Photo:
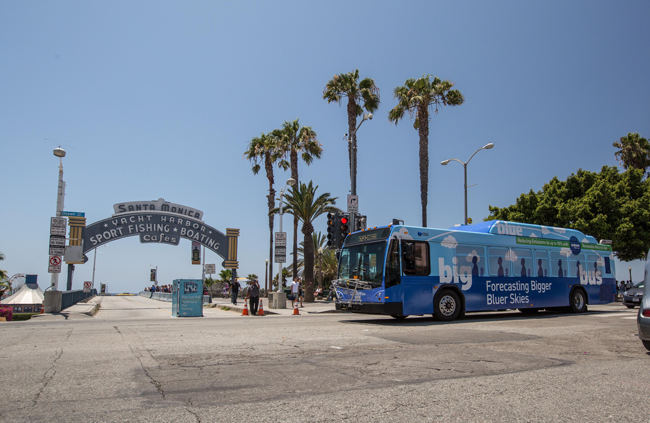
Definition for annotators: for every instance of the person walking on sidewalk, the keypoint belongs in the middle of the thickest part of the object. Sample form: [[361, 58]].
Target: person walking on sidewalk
[[234, 292], [253, 295], [301, 292], [295, 291]]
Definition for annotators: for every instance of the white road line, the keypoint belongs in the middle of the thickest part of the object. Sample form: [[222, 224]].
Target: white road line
[[619, 314]]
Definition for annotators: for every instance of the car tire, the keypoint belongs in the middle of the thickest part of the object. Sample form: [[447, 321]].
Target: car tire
[[646, 344], [398, 316], [578, 301], [447, 306], [629, 306]]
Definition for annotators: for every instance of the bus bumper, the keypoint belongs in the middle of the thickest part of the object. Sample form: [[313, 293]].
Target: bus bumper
[[371, 308]]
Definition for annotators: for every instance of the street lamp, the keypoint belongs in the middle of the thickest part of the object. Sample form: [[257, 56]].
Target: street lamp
[[352, 140], [94, 262], [487, 146], [60, 153], [290, 182], [266, 278]]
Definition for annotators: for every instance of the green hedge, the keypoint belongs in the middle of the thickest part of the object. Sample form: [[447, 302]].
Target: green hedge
[[22, 316]]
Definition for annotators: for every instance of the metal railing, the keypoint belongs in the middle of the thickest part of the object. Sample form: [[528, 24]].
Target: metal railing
[[70, 298]]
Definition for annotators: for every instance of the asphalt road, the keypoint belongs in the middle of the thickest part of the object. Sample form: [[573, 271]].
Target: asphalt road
[[133, 362]]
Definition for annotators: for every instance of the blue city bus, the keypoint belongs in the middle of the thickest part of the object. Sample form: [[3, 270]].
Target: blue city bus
[[403, 271]]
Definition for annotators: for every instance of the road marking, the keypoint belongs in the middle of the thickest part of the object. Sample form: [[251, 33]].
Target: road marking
[[619, 314], [144, 302]]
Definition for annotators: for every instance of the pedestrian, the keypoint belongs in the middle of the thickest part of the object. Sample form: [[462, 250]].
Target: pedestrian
[[295, 291], [253, 295], [301, 292], [234, 291]]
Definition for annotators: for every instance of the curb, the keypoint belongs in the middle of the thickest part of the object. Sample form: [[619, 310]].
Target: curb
[[240, 309]]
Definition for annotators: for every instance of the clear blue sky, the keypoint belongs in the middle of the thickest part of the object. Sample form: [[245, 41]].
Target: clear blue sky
[[159, 99]]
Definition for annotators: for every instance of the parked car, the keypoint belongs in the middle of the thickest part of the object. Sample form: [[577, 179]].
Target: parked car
[[633, 296], [643, 318]]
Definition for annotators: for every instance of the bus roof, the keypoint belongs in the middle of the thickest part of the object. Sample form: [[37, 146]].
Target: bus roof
[[530, 230]]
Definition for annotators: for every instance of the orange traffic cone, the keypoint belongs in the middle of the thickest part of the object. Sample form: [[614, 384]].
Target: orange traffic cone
[[260, 312], [296, 312], [43, 308], [245, 312]]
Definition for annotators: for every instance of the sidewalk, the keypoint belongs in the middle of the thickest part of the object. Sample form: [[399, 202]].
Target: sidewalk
[[77, 311], [317, 307]]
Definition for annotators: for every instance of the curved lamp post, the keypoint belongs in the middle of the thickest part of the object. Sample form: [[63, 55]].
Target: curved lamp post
[[487, 146], [290, 182]]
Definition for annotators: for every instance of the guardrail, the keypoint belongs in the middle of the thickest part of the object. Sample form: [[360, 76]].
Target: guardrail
[[70, 298], [166, 296]]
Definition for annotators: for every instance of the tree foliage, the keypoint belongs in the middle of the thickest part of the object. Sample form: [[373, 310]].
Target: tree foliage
[[634, 152], [606, 205]]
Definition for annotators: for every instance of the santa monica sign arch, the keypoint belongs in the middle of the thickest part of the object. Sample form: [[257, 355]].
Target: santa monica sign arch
[[165, 223]]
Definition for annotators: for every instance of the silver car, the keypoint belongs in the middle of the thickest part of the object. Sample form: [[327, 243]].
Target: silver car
[[643, 318]]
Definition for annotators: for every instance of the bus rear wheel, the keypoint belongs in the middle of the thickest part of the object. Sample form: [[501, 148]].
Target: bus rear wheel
[[447, 306], [578, 301]]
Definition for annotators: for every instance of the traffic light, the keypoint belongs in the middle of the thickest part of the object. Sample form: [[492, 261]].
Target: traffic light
[[332, 230], [344, 228], [361, 223]]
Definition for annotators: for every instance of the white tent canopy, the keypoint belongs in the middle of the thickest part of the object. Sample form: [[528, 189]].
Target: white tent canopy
[[25, 295]]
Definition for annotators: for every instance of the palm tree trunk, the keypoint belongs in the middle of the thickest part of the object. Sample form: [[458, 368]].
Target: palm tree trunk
[[294, 175], [352, 124], [268, 165], [423, 130], [308, 242]]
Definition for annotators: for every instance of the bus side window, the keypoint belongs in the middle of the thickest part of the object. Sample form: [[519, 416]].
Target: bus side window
[[608, 267], [541, 264], [522, 263], [559, 265], [415, 258], [499, 266], [392, 265]]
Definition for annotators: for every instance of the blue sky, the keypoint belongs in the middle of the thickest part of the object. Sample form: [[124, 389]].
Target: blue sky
[[159, 99]]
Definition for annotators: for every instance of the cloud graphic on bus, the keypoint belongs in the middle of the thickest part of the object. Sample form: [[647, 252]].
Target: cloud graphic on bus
[[449, 242], [471, 256], [545, 230], [403, 234], [532, 235], [511, 255], [585, 240], [566, 252], [560, 230]]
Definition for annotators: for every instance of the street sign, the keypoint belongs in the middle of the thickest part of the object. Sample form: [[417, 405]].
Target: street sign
[[280, 239], [210, 269], [57, 225], [280, 254], [57, 251], [57, 241], [87, 286], [353, 203], [54, 264], [75, 214]]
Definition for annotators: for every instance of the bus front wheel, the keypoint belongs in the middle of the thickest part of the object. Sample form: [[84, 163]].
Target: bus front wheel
[[447, 306], [578, 301]]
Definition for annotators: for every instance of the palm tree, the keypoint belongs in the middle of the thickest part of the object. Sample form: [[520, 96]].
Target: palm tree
[[348, 85], [301, 202], [5, 284], [634, 151], [264, 149], [251, 277], [415, 97], [294, 140], [225, 276], [319, 242]]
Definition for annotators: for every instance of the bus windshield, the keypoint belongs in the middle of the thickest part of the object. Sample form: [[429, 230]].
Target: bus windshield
[[364, 262]]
